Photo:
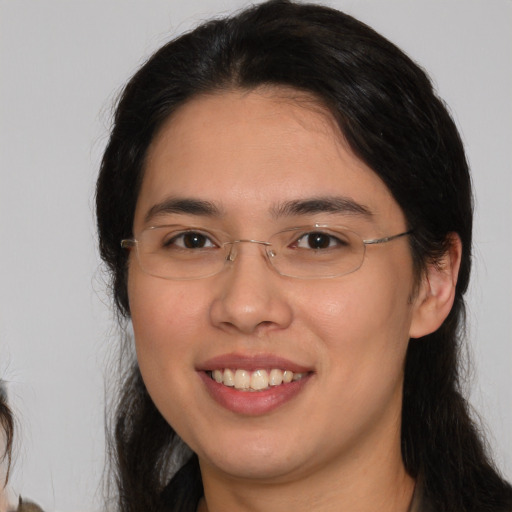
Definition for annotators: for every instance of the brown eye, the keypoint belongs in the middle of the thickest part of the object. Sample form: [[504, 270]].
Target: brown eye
[[194, 240], [318, 240], [190, 240]]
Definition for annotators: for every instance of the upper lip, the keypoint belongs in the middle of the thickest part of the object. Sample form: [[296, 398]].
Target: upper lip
[[251, 363]]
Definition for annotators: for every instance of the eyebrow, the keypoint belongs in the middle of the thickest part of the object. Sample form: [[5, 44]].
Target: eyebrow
[[184, 206], [335, 204], [199, 207]]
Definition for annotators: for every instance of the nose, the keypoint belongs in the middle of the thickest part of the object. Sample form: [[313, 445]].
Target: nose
[[249, 297]]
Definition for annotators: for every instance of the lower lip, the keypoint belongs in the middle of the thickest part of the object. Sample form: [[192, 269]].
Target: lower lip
[[253, 403]]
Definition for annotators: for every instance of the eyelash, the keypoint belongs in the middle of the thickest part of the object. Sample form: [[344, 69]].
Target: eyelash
[[331, 238], [167, 243], [207, 241]]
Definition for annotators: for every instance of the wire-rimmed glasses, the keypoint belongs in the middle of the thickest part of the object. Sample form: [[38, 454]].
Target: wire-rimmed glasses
[[306, 252]]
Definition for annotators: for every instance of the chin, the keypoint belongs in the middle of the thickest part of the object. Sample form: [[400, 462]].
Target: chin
[[256, 469], [254, 459]]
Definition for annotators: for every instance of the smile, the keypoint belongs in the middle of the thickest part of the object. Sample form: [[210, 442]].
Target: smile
[[258, 380]]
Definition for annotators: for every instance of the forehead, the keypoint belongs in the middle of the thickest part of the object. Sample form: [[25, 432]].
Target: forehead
[[266, 123], [250, 151]]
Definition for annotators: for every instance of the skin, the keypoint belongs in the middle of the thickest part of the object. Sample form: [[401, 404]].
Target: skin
[[335, 445]]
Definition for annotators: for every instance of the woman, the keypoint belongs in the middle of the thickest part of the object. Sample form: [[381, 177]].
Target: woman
[[6, 435], [285, 207]]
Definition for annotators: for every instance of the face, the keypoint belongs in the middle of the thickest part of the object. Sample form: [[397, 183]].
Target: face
[[248, 155]]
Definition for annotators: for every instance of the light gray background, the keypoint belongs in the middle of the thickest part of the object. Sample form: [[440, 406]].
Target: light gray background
[[61, 65]]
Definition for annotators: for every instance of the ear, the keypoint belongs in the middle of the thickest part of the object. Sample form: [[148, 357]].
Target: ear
[[436, 294]]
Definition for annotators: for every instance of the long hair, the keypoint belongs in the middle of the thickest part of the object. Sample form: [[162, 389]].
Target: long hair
[[6, 433], [386, 109]]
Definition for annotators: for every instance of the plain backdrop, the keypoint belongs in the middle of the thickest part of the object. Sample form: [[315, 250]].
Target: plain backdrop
[[62, 63]]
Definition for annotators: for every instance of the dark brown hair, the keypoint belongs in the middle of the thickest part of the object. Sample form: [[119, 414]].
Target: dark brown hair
[[6, 431]]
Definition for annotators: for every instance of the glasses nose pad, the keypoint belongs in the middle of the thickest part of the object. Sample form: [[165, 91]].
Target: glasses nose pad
[[231, 254], [271, 258], [231, 251]]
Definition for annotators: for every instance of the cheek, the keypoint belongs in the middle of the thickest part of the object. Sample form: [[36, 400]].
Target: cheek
[[165, 317], [355, 312], [363, 319], [363, 327]]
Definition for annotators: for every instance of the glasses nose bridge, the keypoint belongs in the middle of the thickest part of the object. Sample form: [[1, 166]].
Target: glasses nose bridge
[[232, 253]]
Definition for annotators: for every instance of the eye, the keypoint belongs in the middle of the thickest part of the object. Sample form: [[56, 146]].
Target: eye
[[189, 240], [318, 240]]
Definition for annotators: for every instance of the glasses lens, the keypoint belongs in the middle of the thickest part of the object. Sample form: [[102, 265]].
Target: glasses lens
[[316, 252], [177, 252]]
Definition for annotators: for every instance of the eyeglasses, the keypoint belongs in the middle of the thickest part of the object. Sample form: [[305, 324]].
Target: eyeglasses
[[306, 252]]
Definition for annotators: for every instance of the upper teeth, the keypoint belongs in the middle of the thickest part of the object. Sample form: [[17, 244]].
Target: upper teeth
[[254, 381]]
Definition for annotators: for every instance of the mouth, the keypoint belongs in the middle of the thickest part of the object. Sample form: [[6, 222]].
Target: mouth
[[254, 385], [253, 381]]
